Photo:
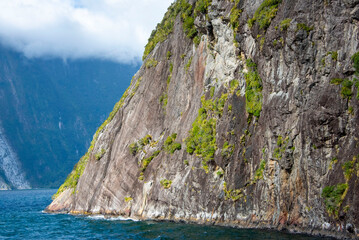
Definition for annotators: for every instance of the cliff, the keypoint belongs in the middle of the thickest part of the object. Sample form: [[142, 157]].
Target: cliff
[[244, 113]]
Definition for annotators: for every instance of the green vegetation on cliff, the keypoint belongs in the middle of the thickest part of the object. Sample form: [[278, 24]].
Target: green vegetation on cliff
[[265, 13], [259, 171], [355, 59], [202, 136], [235, 14], [147, 161], [346, 86], [284, 25], [166, 183], [233, 194], [170, 146], [303, 26], [164, 97], [253, 89], [188, 15], [333, 197], [73, 178], [227, 150], [237, 194], [151, 63], [162, 30], [347, 90], [281, 147], [137, 146]]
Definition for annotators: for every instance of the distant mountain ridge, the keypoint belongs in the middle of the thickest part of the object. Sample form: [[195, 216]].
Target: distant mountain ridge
[[50, 108]]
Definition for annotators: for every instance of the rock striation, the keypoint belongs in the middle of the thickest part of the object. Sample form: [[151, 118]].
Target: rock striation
[[244, 113]]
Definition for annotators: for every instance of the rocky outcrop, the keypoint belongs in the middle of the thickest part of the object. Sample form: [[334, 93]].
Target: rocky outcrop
[[246, 114]]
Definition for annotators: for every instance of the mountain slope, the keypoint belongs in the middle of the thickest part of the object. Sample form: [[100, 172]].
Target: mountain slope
[[49, 109], [244, 113]]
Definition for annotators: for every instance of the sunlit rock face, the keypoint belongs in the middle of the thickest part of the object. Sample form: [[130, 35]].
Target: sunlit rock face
[[250, 122]]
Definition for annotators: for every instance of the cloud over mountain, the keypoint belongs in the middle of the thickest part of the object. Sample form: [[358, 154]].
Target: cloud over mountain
[[72, 29]]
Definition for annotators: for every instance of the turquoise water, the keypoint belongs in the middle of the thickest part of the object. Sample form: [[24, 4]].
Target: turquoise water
[[21, 217]]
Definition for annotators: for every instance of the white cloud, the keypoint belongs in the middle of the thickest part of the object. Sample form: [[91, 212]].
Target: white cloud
[[109, 29]]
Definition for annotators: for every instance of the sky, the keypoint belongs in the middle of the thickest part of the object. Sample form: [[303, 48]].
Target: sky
[[114, 30]]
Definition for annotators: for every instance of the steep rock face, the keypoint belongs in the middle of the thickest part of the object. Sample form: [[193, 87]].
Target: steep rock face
[[256, 126]]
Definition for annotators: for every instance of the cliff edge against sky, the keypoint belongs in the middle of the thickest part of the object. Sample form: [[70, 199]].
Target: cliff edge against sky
[[244, 113]]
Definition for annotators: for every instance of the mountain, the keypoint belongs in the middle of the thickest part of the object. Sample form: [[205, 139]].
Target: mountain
[[49, 111], [244, 113]]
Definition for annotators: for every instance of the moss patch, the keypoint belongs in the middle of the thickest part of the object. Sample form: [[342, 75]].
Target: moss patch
[[146, 161], [166, 183], [169, 54], [285, 24], [164, 28], [259, 172], [233, 194], [188, 14], [211, 91], [253, 89], [265, 13], [227, 150], [350, 168], [346, 87], [128, 199], [151, 63], [303, 26], [73, 178], [235, 14], [202, 136], [281, 147], [334, 55], [164, 97], [188, 64], [355, 59], [333, 197], [137, 146], [170, 146]]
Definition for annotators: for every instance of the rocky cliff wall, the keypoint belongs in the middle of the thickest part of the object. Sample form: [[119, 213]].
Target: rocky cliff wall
[[244, 114]]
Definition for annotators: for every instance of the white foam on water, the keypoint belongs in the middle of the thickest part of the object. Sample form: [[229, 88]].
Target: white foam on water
[[119, 218]]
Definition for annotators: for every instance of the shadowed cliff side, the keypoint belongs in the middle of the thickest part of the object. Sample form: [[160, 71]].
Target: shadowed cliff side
[[244, 113]]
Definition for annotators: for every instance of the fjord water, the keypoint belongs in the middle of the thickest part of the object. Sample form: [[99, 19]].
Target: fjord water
[[22, 217]]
